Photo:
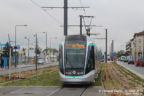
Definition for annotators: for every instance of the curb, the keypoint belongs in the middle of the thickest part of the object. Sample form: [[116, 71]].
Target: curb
[[141, 76]]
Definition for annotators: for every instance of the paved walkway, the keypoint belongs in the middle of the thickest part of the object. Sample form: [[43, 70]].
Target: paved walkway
[[26, 67], [51, 91]]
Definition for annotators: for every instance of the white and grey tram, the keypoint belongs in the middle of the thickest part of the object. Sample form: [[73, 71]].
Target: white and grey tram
[[77, 60]]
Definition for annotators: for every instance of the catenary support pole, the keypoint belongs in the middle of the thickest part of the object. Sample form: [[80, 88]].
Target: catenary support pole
[[65, 17], [28, 50], [81, 24], [36, 52], [15, 46], [10, 64], [106, 48]]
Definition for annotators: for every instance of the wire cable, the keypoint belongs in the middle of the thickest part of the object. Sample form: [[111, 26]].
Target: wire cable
[[90, 23], [36, 4], [84, 14], [82, 8], [84, 18]]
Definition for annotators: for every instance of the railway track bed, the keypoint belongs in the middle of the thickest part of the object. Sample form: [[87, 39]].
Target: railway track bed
[[51, 91]]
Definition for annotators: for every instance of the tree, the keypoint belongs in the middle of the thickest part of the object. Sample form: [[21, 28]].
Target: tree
[[120, 53], [6, 50], [52, 50], [38, 51]]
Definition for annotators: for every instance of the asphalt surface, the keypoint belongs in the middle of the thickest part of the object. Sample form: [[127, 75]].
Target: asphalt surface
[[26, 68], [51, 91], [139, 70]]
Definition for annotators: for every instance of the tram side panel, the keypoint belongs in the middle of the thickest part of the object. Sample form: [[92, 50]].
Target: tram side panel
[[90, 62], [61, 67]]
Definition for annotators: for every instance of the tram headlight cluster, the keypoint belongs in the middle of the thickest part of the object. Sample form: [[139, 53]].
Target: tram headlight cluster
[[74, 73]]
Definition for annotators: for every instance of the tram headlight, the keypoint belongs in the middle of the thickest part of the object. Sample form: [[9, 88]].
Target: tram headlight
[[80, 73], [74, 72], [69, 73]]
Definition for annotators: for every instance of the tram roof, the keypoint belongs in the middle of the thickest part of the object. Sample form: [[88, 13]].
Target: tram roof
[[78, 37]]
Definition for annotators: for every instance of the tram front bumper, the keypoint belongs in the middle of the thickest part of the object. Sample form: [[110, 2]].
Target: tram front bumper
[[78, 79]]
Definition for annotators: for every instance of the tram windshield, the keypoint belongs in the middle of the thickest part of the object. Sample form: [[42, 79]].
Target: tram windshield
[[75, 54]]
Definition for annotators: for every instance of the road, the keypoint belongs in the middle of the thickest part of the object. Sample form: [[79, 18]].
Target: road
[[137, 70], [26, 68], [51, 91]]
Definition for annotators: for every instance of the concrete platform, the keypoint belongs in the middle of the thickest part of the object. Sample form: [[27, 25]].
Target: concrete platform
[[94, 91], [50, 91]]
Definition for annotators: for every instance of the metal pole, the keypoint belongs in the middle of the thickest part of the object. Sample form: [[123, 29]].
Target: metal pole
[[46, 49], [65, 17], [112, 45], [36, 51], [15, 42], [52, 53], [15, 46], [106, 48], [28, 50], [46, 43], [81, 24], [113, 49], [10, 64], [50, 49]]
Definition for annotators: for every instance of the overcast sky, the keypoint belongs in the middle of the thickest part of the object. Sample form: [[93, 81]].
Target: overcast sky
[[123, 18]]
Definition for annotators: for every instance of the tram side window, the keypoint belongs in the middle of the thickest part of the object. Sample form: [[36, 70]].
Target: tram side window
[[61, 59], [91, 59]]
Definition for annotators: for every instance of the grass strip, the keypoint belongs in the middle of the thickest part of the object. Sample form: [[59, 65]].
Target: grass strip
[[98, 80], [46, 79]]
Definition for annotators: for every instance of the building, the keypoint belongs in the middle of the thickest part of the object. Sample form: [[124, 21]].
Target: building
[[129, 47], [138, 45], [133, 49]]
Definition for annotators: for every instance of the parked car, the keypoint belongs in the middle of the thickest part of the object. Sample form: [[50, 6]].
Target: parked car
[[41, 61], [123, 58], [130, 60], [108, 58], [101, 60], [126, 60], [119, 59], [140, 62]]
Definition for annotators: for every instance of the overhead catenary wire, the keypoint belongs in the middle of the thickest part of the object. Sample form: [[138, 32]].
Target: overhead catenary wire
[[44, 10], [84, 14], [36, 4], [83, 8], [84, 21], [90, 23]]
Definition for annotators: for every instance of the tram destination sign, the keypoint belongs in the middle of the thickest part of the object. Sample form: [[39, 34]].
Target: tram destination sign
[[75, 45]]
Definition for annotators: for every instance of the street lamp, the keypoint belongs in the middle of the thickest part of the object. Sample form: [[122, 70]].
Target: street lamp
[[106, 41], [28, 47], [46, 41], [15, 40], [36, 47], [50, 47]]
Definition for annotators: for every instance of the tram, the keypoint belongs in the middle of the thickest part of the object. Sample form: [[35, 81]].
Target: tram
[[77, 60]]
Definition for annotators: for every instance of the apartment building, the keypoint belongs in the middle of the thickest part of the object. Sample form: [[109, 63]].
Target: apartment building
[[128, 47], [137, 45]]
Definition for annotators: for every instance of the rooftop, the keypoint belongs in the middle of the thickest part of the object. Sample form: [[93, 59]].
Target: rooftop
[[140, 33]]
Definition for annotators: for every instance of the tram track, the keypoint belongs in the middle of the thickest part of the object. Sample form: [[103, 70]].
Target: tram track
[[79, 90], [84, 91], [71, 90]]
